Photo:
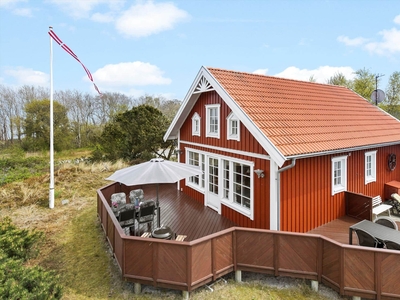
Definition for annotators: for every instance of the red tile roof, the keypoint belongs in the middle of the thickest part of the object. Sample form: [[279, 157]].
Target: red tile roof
[[301, 117]]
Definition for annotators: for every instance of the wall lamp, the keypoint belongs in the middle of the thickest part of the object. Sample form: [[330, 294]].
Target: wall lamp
[[260, 173], [178, 151]]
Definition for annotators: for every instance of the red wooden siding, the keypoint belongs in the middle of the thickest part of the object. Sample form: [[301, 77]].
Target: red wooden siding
[[261, 193], [247, 141], [306, 196]]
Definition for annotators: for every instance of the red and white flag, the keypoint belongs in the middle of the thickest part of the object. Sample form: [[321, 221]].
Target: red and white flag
[[70, 52]]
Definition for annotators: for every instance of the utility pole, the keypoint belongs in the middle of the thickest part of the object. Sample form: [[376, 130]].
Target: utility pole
[[376, 87]]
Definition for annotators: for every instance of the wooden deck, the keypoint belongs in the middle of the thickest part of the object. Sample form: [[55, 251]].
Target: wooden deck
[[338, 229], [183, 214]]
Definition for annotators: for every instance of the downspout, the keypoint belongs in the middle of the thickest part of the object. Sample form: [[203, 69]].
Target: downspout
[[279, 188]]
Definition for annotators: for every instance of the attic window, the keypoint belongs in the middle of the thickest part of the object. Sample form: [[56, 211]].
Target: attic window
[[233, 126], [212, 122], [196, 124]]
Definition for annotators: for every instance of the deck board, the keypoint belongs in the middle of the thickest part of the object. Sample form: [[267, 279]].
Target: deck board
[[338, 229], [183, 214], [186, 216]]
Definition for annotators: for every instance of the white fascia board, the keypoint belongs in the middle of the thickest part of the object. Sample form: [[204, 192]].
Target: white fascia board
[[190, 101], [184, 110], [274, 153]]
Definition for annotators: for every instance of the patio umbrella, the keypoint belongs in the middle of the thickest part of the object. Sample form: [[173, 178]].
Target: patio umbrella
[[155, 171]]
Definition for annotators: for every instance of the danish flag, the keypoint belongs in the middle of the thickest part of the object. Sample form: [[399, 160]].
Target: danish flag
[[70, 52]]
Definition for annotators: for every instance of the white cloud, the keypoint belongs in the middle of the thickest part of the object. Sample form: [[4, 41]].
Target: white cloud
[[25, 76], [103, 18], [9, 3], [24, 12], [321, 75], [83, 8], [129, 74], [144, 19], [390, 43], [352, 42], [261, 71]]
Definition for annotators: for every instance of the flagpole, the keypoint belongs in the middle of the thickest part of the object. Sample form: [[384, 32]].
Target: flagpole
[[51, 190]]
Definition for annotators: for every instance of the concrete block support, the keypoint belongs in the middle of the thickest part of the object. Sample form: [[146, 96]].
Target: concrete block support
[[185, 295], [137, 288], [314, 285], [238, 276]]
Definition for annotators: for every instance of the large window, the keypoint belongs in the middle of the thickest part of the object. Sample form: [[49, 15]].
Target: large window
[[196, 159], [212, 120], [241, 185], [237, 186], [233, 127], [370, 167], [235, 180], [339, 174], [196, 124]]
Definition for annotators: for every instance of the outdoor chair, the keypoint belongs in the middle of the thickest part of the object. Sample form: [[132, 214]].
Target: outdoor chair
[[146, 213], [392, 245], [385, 221], [365, 239], [117, 201], [126, 219], [136, 196]]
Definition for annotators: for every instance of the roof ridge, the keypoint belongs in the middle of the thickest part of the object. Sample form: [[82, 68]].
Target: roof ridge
[[278, 78]]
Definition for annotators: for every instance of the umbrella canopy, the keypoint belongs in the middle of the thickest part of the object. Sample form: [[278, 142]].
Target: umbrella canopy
[[155, 171]]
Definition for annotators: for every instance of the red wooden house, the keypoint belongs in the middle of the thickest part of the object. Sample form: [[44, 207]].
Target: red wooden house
[[278, 153]]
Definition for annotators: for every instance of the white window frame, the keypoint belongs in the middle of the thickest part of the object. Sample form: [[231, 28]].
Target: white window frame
[[196, 124], [342, 185], [370, 170], [215, 132], [199, 186], [229, 125], [227, 201]]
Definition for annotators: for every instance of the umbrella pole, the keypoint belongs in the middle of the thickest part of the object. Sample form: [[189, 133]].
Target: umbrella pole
[[158, 210]]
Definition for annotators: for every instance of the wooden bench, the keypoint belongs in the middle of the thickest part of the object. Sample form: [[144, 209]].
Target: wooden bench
[[379, 207]]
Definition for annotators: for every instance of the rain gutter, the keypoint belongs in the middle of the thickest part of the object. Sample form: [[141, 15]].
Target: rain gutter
[[293, 163]]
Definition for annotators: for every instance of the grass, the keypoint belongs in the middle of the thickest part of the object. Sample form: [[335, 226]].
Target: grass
[[75, 246]]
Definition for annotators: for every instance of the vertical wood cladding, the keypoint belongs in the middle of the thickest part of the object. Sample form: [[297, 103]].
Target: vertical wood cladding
[[305, 193], [247, 141], [306, 196]]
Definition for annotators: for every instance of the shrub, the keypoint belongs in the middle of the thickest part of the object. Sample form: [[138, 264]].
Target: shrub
[[18, 243], [16, 280]]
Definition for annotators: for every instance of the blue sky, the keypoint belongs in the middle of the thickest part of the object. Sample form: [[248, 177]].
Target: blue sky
[[157, 47]]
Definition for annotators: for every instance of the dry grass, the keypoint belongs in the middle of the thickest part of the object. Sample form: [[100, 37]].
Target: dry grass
[[74, 244]]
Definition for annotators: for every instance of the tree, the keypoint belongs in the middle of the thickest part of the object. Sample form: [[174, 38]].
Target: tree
[[136, 134], [339, 79], [393, 95], [37, 126], [364, 83]]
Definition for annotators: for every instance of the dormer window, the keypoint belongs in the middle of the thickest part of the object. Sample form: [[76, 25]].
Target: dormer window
[[233, 126], [196, 124], [212, 120]]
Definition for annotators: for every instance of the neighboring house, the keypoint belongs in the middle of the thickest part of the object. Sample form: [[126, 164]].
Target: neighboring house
[[279, 153]]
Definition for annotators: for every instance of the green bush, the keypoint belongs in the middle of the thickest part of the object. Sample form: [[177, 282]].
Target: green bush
[[18, 168], [18, 243], [16, 280], [20, 282]]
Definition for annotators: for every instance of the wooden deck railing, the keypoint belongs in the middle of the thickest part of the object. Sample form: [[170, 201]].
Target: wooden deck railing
[[349, 270]]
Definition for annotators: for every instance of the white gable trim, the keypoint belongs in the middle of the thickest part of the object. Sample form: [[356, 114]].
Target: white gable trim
[[191, 99]]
